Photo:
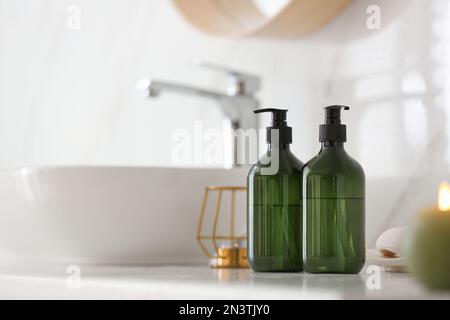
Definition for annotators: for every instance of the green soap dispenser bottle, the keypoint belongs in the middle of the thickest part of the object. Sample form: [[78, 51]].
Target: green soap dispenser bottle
[[274, 213], [333, 204]]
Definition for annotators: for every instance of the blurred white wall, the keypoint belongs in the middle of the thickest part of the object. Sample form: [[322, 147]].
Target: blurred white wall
[[68, 96]]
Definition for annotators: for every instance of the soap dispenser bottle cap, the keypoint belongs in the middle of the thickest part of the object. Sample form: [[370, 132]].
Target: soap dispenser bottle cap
[[278, 123], [333, 130]]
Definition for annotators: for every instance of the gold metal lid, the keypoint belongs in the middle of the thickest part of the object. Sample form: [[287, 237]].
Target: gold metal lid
[[231, 257]]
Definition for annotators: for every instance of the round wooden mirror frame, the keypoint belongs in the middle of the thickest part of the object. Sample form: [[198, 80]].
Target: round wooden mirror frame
[[239, 18]]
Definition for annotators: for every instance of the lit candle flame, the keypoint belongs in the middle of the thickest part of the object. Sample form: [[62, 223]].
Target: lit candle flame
[[444, 196]]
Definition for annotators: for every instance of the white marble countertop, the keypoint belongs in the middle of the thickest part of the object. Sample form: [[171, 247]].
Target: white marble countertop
[[31, 281]]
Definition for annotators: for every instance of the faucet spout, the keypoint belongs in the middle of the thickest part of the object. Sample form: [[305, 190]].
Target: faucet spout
[[232, 106], [153, 88]]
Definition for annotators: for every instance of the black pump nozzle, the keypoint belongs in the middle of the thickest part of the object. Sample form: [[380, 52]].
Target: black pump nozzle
[[278, 115], [278, 123], [333, 114], [333, 130]]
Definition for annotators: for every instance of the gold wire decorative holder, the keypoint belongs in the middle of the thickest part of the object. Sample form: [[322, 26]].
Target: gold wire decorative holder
[[225, 257]]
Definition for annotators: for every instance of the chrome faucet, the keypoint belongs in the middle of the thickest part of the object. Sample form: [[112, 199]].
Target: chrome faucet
[[237, 103]]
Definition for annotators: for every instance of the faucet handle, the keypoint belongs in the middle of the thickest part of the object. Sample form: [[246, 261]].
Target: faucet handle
[[239, 83]]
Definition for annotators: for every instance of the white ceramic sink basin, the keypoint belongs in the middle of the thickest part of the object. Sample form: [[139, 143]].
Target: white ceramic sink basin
[[124, 215]]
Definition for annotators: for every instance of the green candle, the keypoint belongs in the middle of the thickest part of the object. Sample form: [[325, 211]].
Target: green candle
[[428, 246]]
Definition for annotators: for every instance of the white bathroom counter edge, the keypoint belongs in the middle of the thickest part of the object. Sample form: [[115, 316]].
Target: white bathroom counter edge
[[200, 282]]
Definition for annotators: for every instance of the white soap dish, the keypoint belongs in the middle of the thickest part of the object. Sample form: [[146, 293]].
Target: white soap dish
[[388, 252]]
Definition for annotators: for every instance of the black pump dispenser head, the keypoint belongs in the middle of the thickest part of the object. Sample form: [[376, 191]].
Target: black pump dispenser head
[[278, 123], [333, 130]]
